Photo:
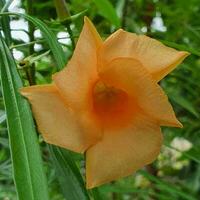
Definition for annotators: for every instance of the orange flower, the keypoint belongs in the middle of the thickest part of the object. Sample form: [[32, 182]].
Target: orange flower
[[107, 102]]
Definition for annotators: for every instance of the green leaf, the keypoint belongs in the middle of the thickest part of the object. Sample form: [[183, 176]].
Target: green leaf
[[50, 37], [107, 10], [5, 21], [181, 47], [192, 154], [96, 194], [167, 187], [61, 9], [6, 4], [76, 16], [2, 118], [64, 162], [183, 102], [73, 188], [29, 176]]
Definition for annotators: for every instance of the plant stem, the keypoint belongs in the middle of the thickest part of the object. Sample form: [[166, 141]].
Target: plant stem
[[31, 47], [71, 35], [64, 14]]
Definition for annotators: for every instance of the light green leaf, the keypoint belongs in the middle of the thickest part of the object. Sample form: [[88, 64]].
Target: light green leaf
[[76, 16], [29, 176], [107, 10]]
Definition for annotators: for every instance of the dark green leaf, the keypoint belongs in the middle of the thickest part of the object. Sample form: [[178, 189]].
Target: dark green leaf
[[5, 21], [181, 47], [183, 102], [70, 178], [29, 176], [164, 186]]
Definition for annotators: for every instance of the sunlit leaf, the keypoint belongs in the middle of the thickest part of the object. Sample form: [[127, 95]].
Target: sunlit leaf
[[107, 10]]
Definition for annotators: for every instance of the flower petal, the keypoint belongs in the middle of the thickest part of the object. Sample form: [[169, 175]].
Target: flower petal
[[57, 122], [122, 152], [157, 58], [76, 80], [129, 75]]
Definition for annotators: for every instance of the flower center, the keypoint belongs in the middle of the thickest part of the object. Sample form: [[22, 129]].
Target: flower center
[[111, 105]]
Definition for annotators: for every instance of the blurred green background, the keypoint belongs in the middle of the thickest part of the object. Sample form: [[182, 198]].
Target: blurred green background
[[175, 175]]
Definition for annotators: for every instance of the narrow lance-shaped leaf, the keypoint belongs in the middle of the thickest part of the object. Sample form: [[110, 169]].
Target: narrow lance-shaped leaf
[[71, 176], [68, 172], [5, 22], [181, 47], [26, 158], [50, 37], [2, 118], [164, 186]]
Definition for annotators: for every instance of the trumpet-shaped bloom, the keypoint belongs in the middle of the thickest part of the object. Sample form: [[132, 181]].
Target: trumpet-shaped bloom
[[107, 102]]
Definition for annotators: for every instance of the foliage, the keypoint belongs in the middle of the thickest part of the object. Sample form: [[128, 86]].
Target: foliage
[[174, 175]]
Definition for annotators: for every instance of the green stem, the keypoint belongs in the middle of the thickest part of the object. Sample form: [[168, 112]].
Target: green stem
[[31, 47], [61, 9], [64, 14], [71, 35]]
